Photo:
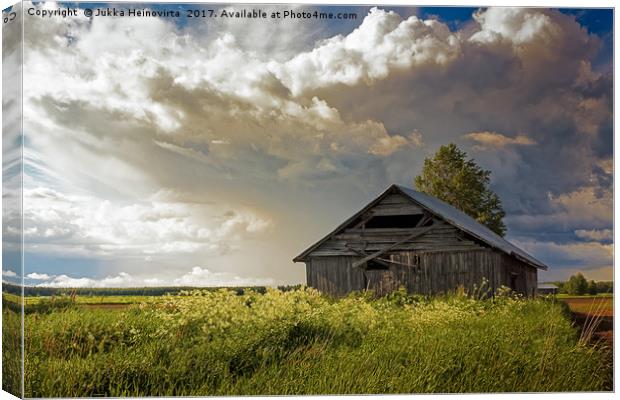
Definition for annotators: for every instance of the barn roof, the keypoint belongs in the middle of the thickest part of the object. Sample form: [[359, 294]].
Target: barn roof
[[547, 286], [448, 213]]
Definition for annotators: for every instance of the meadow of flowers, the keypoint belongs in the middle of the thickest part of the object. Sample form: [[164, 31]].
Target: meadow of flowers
[[300, 342]]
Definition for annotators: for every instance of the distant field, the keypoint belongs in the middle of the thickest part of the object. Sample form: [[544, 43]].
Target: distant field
[[87, 300], [591, 305], [585, 296], [595, 312]]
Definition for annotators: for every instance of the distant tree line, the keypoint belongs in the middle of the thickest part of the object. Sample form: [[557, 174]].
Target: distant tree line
[[579, 285], [34, 291]]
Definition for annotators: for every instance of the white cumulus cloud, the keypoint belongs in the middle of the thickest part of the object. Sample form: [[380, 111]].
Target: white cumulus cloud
[[88, 225], [384, 42], [494, 140], [9, 273], [38, 277]]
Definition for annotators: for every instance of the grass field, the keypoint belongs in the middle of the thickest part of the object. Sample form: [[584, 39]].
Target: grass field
[[299, 342]]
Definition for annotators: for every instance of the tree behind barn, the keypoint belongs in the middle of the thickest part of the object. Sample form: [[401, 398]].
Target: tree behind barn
[[459, 181]]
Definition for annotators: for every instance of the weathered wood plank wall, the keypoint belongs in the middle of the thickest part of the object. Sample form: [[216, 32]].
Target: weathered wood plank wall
[[442, 272], [334, 275], [425, 273], [526, 275]]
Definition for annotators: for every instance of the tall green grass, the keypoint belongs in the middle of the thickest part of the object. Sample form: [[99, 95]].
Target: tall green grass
[[299, 342], [11, 350]]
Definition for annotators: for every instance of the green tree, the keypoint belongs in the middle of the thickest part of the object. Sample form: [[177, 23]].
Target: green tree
[[459, 181], [561, 286], [604, 287], [592, 289], [577, 285]]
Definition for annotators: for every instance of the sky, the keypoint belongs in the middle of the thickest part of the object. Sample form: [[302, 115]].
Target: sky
[[163, 151]]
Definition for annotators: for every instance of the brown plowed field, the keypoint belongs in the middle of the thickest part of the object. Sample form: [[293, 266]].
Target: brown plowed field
[[599, 309]]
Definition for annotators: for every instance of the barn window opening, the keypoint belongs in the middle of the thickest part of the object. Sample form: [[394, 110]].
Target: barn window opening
[[394, 221], [513, 281], [374, 266]]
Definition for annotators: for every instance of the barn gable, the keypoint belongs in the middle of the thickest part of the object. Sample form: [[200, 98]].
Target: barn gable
[[402, 219], [471, 226]]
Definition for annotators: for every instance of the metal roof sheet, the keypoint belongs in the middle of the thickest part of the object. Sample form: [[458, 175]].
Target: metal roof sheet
[[547, 286]]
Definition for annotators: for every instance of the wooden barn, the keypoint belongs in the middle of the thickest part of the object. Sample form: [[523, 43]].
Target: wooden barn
[[408, 238]]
